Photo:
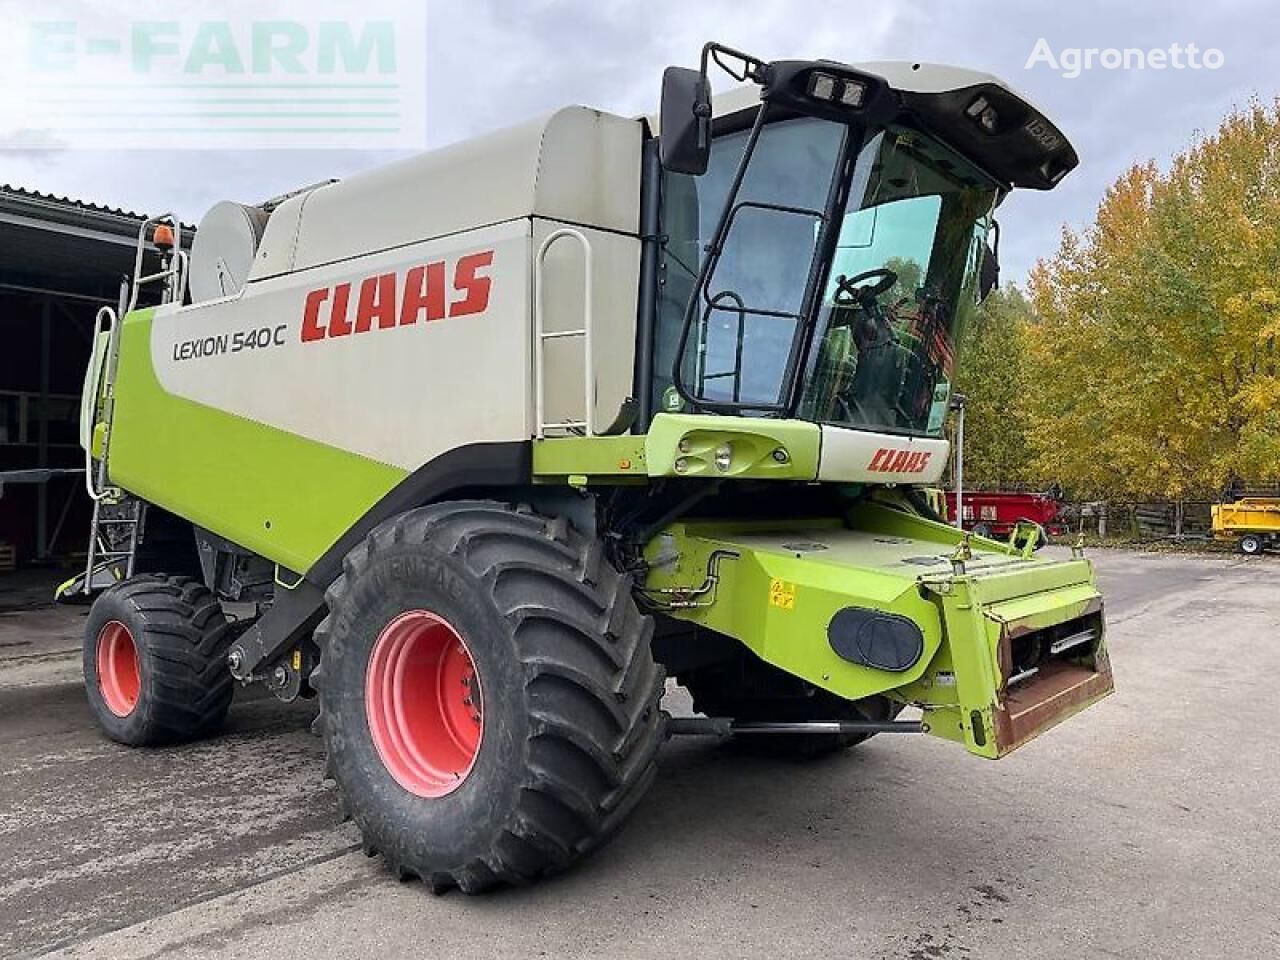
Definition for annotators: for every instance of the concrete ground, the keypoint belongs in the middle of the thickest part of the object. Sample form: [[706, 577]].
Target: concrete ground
[[1147, 827]]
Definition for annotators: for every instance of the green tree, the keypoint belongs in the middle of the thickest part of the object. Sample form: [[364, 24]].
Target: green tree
[[994, 377], [909, 276]]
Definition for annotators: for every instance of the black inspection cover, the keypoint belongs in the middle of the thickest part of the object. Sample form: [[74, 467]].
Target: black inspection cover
[[872, 638]]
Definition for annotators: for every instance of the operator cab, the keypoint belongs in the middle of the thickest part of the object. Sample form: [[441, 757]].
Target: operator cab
[[825, 237]]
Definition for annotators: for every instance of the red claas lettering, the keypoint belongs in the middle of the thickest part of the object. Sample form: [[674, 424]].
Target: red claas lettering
[[898, 460], [388, 300]]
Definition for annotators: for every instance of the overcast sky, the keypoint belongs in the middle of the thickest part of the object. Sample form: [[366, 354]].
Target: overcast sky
[[495, 62]]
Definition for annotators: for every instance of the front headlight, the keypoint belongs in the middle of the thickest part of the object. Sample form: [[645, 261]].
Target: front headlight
[[724, 457]]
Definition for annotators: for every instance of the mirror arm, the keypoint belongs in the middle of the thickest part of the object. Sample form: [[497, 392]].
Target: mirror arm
[[752, 68]]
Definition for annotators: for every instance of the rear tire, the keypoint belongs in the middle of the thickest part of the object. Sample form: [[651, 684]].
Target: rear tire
[[154, 655], [521, 620], [751, 690], [1251, 545]]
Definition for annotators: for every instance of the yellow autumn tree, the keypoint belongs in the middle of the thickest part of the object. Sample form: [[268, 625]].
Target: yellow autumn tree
[[1153, 346]]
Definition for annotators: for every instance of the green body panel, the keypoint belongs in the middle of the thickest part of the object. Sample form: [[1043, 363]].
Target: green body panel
[[694, 438], [555, 458], [684, 445], [776, 586], [968, 679], [778, 600], [273, 492]]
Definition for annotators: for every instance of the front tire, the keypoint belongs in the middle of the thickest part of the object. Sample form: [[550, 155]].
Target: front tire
[[154, 655], [488, 696]]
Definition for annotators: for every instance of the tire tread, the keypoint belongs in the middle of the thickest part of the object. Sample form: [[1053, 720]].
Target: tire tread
[[185, 637], [593, 686]]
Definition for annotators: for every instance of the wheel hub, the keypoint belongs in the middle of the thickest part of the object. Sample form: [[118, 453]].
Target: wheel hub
[[119, 678], [423, 704]]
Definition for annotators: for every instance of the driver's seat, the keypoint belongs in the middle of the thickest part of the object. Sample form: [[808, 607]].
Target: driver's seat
[[878, 379], [837, 363]]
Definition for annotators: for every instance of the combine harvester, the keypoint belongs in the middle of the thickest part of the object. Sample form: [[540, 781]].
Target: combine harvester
[[482, 446]]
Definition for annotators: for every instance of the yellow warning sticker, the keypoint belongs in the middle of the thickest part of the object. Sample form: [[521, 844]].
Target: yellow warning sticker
[[782, 594], [297, 659]]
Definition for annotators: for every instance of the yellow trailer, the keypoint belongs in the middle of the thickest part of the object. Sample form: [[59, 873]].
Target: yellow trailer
[[1254, 520]]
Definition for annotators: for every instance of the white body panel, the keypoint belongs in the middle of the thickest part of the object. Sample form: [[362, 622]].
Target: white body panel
[[859, 456], [615, 290], [578, 165], [400, 395], [404, 393]]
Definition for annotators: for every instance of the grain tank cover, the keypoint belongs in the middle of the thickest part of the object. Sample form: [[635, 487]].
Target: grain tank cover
[[577, 165], [223, 250]]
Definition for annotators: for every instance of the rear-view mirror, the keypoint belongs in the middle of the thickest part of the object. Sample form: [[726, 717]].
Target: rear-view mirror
[[988, 273], [684, 119]]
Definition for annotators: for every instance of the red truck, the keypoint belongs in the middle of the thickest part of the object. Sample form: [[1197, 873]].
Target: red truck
[[994, 513]]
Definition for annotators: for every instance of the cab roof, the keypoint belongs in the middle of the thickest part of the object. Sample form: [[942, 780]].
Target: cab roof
[[1025, 150]]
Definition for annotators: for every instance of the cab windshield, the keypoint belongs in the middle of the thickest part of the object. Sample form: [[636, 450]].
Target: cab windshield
[[868, 324]]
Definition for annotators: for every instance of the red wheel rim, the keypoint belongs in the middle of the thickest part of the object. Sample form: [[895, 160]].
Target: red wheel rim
[[119, 678], [423, 704]]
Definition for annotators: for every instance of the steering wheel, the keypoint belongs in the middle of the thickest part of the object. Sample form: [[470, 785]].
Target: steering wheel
[[851, 292]]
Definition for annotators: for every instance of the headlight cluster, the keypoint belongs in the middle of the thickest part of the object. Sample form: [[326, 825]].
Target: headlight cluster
[[833, 89], [724, 457], [983, 114], [705, 454]]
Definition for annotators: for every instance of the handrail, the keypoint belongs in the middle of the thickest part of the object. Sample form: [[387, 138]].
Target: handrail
[[175, 271], [99, 368], [541, 336], [184, 275]]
